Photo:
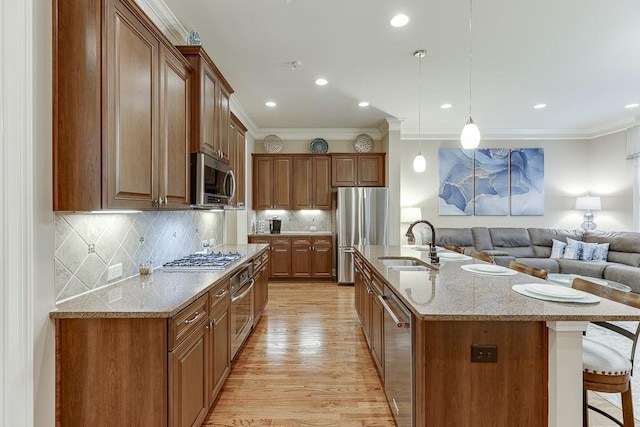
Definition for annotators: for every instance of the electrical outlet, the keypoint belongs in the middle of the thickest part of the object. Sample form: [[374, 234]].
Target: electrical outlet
[[205, 243], [313, 228], [484, 353], [114, 272]]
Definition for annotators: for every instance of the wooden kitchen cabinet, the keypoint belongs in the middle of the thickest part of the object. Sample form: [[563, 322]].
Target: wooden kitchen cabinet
[[367, 287], [238, 150], [322, 257], [261, 285], [218, 340], [112, 136], [188, 395], [272, 182], [358, 170], [376, 332], [301, 257], [210, 104], [312, 182], [280, 257]]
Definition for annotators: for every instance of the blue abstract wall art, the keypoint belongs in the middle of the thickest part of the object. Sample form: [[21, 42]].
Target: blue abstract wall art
[[455, 194], [491, 181], [491, 178], [527, 181]]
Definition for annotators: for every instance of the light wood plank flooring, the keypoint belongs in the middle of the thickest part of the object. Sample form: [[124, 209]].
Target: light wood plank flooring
[[307, 364]]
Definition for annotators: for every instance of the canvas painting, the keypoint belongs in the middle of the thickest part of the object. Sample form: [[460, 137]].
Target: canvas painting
[[491, 181], [455, 193], [527, 181]]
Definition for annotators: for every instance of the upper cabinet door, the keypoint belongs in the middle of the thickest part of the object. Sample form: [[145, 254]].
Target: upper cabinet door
[[131, 110], [302, 183], [262, 183], [322, 182], [206, 143], [344, 171], [371, 170], [282, 173], [223, 126], [175, 87]]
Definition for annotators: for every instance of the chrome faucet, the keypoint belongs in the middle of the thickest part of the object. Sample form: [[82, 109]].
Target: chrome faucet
[[411, 240]]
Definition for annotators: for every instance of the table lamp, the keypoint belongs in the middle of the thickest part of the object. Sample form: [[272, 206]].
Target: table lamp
[[588, 204]]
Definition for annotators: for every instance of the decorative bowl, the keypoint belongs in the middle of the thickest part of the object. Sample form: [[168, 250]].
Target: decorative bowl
[[363, 143], [272, 144], [319, 146]]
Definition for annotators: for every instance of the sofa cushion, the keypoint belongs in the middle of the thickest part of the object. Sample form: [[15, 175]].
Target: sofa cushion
[[624, 246], [452, 236], [624, 274], [542, 239], [587, 250], [481, 238], [583, 268], [573, 249], [515, 241], [602, 252]]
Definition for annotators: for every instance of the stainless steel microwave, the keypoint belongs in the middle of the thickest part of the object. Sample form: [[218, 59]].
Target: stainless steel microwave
[[213, 183]]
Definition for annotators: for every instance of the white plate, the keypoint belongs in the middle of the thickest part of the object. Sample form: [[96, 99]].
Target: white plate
[[495, 271], [453, 256], [594, 280], [586, 299], [554, 291]]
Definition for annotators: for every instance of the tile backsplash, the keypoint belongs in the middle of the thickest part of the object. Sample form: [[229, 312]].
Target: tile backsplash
[[301, 220], [86, 244]]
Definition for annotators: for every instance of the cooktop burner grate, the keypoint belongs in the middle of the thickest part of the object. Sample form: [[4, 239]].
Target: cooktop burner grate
[[212, 261]]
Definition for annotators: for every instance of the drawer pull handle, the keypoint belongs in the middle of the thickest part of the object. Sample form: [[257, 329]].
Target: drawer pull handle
[[196, 317], [221, 294]]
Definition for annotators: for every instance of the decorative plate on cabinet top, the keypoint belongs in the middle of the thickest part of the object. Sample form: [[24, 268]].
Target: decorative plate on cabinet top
[[272, 144], [363, 143], [319, 146]]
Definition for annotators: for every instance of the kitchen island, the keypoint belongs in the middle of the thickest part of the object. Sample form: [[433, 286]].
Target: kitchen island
[[532, 373]]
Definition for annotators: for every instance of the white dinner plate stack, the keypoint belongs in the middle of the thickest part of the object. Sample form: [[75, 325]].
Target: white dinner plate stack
[[555, 293]]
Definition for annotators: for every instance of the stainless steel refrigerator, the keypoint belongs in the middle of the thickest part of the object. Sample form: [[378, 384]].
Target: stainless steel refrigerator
[[362, 218]]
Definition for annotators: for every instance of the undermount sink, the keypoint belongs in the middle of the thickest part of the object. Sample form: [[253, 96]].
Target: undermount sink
[[405, 264]]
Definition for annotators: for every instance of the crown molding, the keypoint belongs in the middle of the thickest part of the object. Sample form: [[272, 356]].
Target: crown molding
[[339, 134], [164, 18], [241, 113]]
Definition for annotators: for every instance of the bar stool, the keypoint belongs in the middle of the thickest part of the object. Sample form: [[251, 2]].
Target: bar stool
[[454, 248], [481, 256], [605, 369], [531, 271]]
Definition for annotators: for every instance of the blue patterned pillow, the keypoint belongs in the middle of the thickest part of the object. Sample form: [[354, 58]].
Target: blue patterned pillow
[[573, 249], [586, 254], [557, 250], [601, 253]]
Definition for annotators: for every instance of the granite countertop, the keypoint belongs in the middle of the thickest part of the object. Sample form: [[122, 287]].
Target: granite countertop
[[294, 233], [158, 295], [451, 293]]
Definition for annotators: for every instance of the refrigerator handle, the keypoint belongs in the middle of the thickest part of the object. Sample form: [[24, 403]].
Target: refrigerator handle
[[349, 251]]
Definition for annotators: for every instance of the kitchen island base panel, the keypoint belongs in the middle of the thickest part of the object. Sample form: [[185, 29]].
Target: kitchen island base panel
[[452, 390]]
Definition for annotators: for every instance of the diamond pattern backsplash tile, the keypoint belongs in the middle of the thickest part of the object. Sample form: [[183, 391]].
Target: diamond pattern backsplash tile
[[298, 220], [87, 244]]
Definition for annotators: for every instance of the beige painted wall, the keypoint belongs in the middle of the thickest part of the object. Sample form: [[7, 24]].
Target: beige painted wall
[[572, 168]]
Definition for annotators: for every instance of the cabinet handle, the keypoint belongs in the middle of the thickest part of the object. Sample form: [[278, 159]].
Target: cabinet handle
[[221, 294], [196, 317]]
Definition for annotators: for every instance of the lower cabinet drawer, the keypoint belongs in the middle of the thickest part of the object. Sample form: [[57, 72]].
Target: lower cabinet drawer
[[187, 320]]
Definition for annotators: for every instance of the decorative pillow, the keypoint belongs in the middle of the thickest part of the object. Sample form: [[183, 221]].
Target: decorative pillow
[[557, 250], [573, 249], [586, 254], [601, 253]]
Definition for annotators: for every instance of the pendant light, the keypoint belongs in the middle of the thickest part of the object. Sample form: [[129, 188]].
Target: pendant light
[[470, 135], [419, 163]]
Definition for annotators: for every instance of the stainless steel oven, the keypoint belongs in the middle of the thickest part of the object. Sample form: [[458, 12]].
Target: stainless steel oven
[[241, 307]]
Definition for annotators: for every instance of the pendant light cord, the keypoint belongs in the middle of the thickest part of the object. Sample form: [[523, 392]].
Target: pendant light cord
[[470, 51], [419, 103]]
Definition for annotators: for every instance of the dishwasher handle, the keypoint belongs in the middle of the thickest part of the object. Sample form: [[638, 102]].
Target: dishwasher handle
[[399, 323]]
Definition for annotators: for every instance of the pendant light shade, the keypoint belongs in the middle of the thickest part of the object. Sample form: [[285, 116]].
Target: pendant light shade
[[419, 163], [470, 135]]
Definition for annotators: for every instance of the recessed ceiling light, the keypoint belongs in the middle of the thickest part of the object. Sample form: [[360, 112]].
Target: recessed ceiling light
[[631, 105], [445, 106], [399, 20], [270, 104], [539, 106], [321, 82], [364, 104]]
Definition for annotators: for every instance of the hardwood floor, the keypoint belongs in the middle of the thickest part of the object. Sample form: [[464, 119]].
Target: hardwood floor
[[306, 364]]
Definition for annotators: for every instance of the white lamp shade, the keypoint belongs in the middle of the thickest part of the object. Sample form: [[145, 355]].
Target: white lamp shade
[[419, 163], [470, 135], [410, 214], [588, 203]]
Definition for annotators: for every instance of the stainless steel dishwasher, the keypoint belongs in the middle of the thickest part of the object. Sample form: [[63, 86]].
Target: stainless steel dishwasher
[[398, 358]]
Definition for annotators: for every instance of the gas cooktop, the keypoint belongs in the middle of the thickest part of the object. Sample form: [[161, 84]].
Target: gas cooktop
[[203, 262]]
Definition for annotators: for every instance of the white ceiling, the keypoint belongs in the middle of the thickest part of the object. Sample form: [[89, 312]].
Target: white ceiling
[[580, 57]]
